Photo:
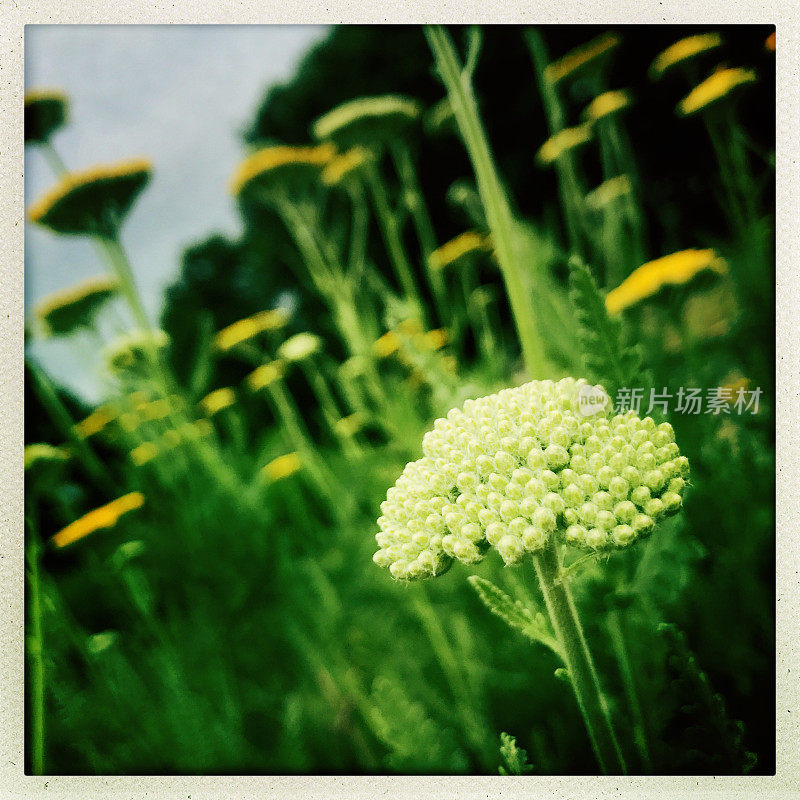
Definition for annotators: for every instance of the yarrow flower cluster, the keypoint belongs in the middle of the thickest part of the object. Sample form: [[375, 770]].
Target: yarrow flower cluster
[[513, 469]]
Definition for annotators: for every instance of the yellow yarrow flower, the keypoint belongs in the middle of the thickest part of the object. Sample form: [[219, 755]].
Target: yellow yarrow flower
[[674, 269], [106, 516], [279, 161], [385, 345], [339, 169], [714, 88], [46, 111], [349, 425], [95, 422], [42, 452], [580, 57], [248, 328], [92, 201], [265, 375], [562, 142], [300, 347], [282, 467], [462, 245], [606, 104], [683, 51], [609, 191], [367, 120], [144, 453], [431, 340], [62, 312], [219, 399], [155, 409]]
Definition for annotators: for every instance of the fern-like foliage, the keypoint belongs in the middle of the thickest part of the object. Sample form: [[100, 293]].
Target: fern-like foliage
[[514, 613], [514, 758], [607, 357], [702, 736], [415, 742]]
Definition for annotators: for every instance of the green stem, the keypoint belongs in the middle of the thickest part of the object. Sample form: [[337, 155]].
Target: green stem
[[111, 248], [390, 230], [54, 159], [62, 419], [578, 660], [617, 632], [415, 202], [493, 195], [35, 650]]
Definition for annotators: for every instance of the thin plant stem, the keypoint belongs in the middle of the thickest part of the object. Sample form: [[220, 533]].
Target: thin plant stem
[[35, 651], [415, 202], [62, 419], [578, 660], [616, 630], [493, 196], [390, 229]]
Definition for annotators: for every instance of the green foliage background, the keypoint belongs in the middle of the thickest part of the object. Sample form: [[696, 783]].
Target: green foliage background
[[251, 632]]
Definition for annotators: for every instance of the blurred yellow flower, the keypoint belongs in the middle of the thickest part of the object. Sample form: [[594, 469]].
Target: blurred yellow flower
[[41, 452], [684, 50], [608, 192], [299, 347], [216, 401], [155, 409], [410, 326], [64, 311], [349, 425], [45, 112], [92, 201], [143, 453], [343, 166], [650, 278], [464, 244], [770, 43], [562, 142], [580, 57], [715, 87], [264, 375], [282, 467], [134, 348], [245, 329], [279, 161], [385, 345], [367, 120], [106, 516], [606, 104], [431, 340], [95, 422]]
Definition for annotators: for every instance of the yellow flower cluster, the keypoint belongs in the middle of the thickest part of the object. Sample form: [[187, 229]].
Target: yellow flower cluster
[[683, 51], [650, 278], [349, 425], [462, 245], [606, 104], [282, 467], [264, 375], [106, 516], [276, 158], [366, 112], [716, 86], [562, 142], [74, 181], [343, 166], [143, 453], [245, 329], [76, 294], [580, 57], [219, 399], [387, 344], [609, 191], [95, 422], [514, 469], [300, 347], [42, 452]]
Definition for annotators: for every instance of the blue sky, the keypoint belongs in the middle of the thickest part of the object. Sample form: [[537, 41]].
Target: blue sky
[[180, 95]]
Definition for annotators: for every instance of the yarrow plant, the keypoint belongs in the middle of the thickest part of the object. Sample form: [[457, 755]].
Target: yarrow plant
[[525, 466], [520, 471]]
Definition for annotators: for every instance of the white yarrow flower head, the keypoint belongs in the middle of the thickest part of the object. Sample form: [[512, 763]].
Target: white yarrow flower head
[[514, 469]]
